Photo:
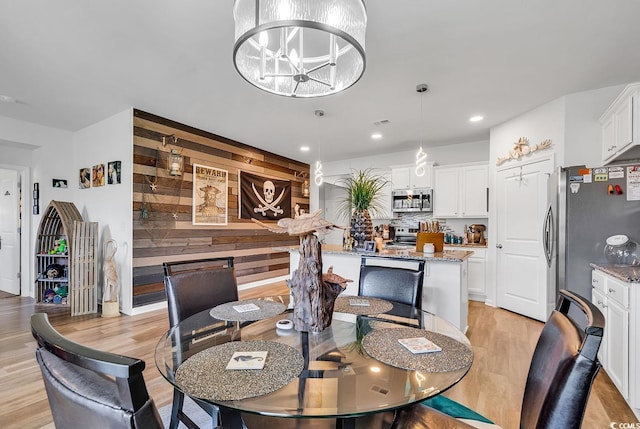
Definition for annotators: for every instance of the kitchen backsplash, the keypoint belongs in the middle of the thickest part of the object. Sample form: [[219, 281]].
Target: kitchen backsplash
[[412, 220]]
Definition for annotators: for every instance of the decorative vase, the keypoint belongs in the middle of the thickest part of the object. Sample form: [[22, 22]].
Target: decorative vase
[[361, 227]]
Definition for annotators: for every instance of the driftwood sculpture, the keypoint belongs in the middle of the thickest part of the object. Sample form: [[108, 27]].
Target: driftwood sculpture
[[313, 293], [110, 306], [522, 148]]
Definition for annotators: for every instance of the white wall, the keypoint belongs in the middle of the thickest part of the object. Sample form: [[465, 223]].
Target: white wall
[[38, 153], [109, 205], [583, 135]]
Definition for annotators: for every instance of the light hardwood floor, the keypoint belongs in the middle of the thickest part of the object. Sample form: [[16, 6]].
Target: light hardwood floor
[[503, 343]]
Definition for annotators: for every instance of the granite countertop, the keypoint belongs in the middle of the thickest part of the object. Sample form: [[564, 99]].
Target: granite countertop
[[446, 256], [481, 246], [626, 274]]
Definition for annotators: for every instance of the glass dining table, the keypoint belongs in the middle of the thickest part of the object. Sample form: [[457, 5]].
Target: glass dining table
[[354, 374]]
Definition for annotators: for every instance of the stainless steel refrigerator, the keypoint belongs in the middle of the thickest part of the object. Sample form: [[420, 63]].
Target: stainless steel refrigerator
[[583, 212]]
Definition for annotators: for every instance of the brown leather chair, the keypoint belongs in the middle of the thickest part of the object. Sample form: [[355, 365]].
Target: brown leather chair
[[191, 287], [563, 367], [90, 388]]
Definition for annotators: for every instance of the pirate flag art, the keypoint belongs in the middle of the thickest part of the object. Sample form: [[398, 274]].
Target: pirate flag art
[[264, 198]]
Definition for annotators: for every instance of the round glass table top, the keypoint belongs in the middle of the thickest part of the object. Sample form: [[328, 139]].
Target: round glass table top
[[326, 374]]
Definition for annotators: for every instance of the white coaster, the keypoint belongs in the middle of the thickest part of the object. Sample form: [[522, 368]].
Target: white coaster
[[247, 360]]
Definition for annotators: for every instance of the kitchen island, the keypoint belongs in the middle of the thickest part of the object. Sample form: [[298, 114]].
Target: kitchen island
[[444, 290]]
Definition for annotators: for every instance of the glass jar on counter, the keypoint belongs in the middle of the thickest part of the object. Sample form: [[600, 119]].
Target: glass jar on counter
[[621, 251]]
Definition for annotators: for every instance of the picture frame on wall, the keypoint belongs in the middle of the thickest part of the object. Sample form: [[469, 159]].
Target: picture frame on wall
[[84, 180], [59, 183], [97, 175], [114, 171], [210, 195]]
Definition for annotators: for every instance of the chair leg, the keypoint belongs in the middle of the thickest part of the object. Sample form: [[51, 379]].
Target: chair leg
[[176, 408]]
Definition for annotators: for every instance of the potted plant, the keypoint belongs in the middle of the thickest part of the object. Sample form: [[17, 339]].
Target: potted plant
[[364, 189]]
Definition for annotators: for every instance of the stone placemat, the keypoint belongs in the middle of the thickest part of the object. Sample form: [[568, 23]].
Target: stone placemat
[[376, 305], [383, 345], [203, 375], [227, 312]]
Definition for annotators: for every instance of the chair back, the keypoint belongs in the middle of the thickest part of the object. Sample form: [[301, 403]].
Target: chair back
[[91, 388], [403, 285], [194, 286], [563, 366]]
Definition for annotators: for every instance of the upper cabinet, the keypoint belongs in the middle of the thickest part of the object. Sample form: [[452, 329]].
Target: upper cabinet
[[461, 191], [620, 140], [406, 178]]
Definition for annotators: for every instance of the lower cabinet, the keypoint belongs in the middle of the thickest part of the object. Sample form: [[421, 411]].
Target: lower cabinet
[[619, 351], [477, 272]]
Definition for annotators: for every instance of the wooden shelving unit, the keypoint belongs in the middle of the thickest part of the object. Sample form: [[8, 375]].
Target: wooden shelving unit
[[75, 284]]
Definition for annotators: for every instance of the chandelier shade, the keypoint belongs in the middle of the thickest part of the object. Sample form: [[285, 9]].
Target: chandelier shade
[[300, 48]]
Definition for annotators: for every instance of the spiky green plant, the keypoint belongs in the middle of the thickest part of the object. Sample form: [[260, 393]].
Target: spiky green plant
[[364, 189]]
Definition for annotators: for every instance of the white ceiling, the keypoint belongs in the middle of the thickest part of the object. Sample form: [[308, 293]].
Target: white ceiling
[[71, 63]]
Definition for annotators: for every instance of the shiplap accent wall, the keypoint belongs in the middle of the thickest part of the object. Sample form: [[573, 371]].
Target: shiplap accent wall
[[160, 237]]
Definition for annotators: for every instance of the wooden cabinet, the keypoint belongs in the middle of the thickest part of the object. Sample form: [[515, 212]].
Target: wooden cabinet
[[613, 298], [461, 191], [405, 178], [619, 123], [66, 275]]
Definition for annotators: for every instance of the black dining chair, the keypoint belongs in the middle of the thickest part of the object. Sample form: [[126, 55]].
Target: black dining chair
[[191, 287], [562, 370], [396, 284], [91, 388]]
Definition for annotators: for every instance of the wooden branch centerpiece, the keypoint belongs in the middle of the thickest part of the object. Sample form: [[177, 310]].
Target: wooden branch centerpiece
[[313, 293]]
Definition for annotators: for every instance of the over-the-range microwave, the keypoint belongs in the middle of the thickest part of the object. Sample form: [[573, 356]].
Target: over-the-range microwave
[[412, 200]]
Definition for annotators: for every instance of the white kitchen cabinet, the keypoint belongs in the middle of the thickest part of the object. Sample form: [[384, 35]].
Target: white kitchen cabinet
[[477, 272], [405, 177], [619, 123], [461, 191], [619, 349]]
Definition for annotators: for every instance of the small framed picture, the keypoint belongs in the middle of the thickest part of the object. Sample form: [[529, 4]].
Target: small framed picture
[[113, 172], [369, 246], [59, 183], [84, 181]]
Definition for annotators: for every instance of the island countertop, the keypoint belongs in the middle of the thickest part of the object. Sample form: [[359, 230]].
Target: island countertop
[[446, 256]]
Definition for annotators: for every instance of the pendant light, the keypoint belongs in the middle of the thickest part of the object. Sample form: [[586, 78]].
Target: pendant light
[[317, 173], [300, 48], [421, 155]]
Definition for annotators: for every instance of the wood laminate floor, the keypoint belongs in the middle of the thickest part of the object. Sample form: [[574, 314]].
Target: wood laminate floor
[[503, 343]]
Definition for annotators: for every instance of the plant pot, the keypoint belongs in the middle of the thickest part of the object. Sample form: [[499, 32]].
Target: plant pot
[[361, 228]]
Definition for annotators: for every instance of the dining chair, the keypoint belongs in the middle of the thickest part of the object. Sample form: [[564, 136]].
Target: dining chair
[[91, 388], [396, 284], [561, 373], [191, 287]]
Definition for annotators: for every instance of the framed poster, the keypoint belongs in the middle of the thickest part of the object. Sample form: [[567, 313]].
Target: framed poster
[[114, 169], [84, 180], [210, 202], [97, 176], [263, 198]]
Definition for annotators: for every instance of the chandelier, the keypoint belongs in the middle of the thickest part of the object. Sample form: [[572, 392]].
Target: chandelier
[[300, 48]]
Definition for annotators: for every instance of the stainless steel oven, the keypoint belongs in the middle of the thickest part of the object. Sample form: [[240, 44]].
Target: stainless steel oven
[[412, 200]]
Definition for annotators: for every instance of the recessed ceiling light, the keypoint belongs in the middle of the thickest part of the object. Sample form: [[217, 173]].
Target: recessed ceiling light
[[476, 118], [7, 99], [376, 136], [304, 148]]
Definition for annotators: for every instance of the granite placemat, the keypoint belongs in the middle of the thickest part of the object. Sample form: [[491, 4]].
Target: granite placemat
[[204, 375], [227, 312], [376, 305], [383, 345]]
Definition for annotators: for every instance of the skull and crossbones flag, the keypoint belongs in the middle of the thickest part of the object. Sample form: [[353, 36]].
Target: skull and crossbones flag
[[263, 198]]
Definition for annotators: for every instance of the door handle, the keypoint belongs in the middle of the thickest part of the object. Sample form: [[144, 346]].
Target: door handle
[[499, 246]]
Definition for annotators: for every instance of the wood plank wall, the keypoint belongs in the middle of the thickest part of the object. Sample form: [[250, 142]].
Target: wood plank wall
[[160, 237]]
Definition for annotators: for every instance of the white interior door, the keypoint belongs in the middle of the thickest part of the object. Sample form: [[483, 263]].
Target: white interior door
[[9, 236], [522, 272]]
